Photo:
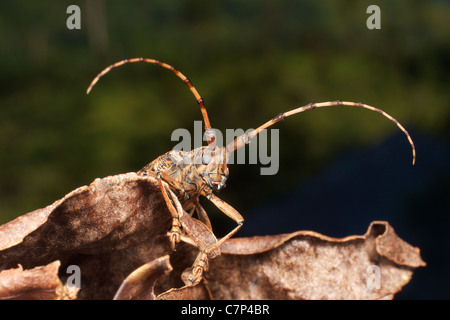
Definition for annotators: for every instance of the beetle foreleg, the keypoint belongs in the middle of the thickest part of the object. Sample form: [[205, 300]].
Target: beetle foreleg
[[175, 231], [192, 276]]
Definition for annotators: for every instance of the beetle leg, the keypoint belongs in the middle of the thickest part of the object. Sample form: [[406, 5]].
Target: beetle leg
[[175, 231], [192, 276], [230, 212], [203, 216], [197, 233]]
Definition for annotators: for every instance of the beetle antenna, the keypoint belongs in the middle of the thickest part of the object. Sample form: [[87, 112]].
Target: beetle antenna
[[211, 136], [244, 139]]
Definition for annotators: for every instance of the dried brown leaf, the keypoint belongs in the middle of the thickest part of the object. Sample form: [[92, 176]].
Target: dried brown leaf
[[308, 265], [108, 229], [198, 292], [119, 224], [40, 283], [140, 283]]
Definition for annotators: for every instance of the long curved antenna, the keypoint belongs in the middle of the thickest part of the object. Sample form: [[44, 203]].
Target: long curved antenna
[[210, 133], [244, 139]]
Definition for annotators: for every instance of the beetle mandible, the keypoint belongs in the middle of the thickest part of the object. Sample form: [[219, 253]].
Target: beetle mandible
[[182, 182]]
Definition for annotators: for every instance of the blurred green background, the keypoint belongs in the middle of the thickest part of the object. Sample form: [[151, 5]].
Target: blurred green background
[[250, 60]]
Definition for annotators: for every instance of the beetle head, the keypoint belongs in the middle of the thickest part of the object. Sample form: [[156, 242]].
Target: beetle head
[[212, 167]]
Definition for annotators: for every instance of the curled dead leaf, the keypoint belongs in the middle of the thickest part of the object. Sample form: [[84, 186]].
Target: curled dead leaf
[[308, 265], [119, 224], [108, 229], [140, 283], [40, 283]]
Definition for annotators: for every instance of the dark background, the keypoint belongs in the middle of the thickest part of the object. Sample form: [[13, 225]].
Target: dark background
[[340, 168]]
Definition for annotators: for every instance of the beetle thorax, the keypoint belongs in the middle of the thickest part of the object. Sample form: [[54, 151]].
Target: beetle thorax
[[200, 171]]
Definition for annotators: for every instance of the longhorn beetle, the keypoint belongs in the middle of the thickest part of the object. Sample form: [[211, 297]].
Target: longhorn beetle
[[182, 183]]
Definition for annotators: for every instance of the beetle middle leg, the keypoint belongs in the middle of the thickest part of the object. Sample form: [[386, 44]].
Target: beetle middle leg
[[230, 212], [194, 232], [193, 275], [203, 216]]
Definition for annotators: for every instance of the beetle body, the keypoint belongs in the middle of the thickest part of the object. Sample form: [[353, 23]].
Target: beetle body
[[199, 172]]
